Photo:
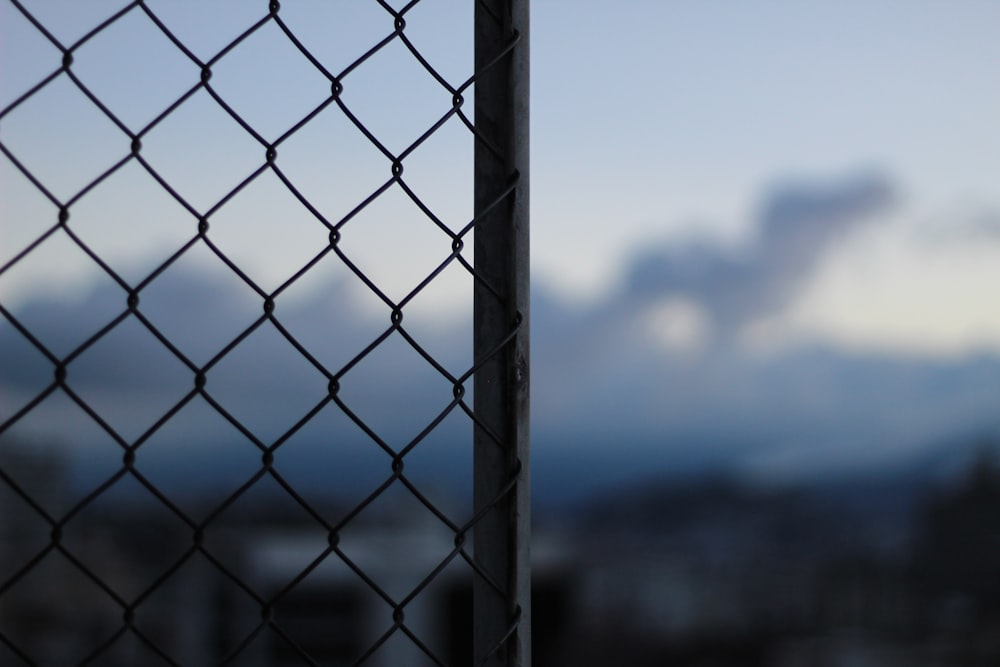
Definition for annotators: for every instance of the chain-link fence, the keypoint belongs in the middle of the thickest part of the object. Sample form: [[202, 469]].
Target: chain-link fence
[[235, 389]]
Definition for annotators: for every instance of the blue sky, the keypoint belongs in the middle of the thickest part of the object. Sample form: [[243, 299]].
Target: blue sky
[[651, 122], [666, 138], [656, 121]]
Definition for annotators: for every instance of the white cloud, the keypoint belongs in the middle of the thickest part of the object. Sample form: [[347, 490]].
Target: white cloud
[[678, 326]]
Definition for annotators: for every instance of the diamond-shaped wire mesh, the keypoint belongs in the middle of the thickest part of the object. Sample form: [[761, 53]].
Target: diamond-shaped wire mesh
[[237, 421]]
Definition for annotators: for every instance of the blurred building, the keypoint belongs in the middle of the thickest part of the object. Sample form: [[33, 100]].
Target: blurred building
[[704, 573]]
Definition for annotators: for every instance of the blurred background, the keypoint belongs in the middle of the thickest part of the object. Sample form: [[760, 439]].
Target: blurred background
[[765, 369]]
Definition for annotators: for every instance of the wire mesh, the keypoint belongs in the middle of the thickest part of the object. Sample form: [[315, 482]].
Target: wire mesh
[[196, 536]]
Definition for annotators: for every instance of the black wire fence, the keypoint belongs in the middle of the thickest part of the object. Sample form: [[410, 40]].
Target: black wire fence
[[156, 555]]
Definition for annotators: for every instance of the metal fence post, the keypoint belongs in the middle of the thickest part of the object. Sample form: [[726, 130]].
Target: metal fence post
[[501, 440]]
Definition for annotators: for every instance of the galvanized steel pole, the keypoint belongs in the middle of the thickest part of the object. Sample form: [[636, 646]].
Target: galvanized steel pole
[[502, 636]]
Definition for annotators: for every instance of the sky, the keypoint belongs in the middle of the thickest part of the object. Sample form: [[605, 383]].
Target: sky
[[661, 121], [651, 122], [204, 153], [774, 226]]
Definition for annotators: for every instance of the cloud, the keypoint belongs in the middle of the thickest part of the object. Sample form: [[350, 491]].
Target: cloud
[[625, 385], [661, 375], [965, 224], [130, 377], [795, 227]]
